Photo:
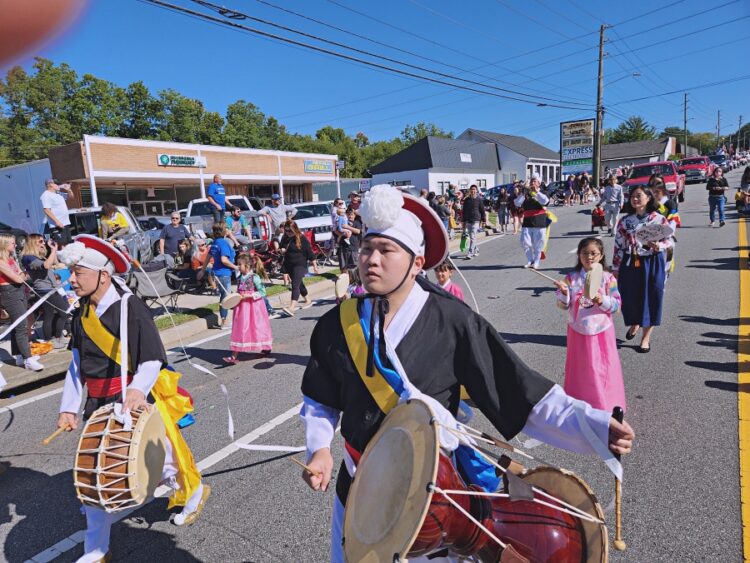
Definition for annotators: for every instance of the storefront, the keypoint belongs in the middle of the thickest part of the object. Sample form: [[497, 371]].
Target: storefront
[[156, 178]]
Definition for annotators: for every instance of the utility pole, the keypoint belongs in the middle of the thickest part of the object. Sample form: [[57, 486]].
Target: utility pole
[[718, 129], [739, 136], [684, 126], [599, 110]]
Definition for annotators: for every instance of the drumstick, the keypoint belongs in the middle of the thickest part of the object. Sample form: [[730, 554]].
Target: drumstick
[[550, 278], [305, 467], [54, 435], [619, 543]]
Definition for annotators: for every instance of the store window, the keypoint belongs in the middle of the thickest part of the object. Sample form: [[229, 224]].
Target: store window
[[481, 183]]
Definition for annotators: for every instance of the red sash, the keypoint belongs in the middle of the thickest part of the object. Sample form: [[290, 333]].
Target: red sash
[[533, 212], [100, 387]]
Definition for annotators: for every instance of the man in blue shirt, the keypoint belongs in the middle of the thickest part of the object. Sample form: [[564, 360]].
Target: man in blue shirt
[[217, 198]]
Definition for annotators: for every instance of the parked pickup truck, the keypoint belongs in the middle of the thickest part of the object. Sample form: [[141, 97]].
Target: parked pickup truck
[[673, 180], [198, 216], [86, 220]]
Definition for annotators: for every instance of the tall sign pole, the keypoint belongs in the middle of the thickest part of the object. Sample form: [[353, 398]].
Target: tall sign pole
[[599, 111]]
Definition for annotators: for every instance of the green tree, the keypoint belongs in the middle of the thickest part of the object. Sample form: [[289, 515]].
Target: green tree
[[634, 128], [143, 113], [97, 107], [413, 133], [244, 125]]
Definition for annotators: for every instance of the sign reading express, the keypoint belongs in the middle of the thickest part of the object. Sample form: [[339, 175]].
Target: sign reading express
[[186, 161], [577, 146], [318, 167]]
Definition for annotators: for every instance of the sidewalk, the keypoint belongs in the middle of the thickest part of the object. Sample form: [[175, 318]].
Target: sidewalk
[[56, 363]]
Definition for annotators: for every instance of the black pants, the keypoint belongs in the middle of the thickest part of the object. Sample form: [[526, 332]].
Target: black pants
[[14, 301], [54, 316], [298, 274]]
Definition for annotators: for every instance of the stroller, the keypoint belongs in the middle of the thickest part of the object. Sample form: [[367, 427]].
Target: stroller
[[597, 219]]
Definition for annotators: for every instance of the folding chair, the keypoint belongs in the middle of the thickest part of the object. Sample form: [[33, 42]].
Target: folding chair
[[151, 286]]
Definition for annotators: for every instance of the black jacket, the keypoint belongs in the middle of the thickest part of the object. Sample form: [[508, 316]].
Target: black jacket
[[473, 210]]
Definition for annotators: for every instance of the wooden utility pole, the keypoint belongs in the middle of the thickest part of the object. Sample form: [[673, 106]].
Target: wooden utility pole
[[684, 127], [599, 111], [718, 129], [739, 136]]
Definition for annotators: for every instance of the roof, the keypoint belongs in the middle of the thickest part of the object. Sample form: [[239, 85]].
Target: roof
[[620, 151], [438, 152], [521, 145]]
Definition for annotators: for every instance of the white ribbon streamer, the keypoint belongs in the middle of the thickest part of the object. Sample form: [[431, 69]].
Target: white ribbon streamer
[[121, 414], [28, 312]]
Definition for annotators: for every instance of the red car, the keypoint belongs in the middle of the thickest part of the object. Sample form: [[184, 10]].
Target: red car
[[640, 173], [696, 168]]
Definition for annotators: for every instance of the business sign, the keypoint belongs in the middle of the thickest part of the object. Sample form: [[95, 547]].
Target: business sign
[[181, 160], [340, 164], [318, 167], [577, 146], [364, 185]]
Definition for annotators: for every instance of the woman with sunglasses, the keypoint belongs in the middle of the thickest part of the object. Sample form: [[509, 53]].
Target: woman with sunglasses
[[297, 254]]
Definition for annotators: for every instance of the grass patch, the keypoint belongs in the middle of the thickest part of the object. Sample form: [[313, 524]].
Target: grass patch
[[207, 310]]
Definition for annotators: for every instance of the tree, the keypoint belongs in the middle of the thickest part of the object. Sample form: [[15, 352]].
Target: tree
[[244, 125], [413, 133], [143, 113], [634, 128]]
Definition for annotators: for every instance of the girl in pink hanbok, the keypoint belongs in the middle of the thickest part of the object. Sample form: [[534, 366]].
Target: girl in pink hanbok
[[251, 327], [592, 368]]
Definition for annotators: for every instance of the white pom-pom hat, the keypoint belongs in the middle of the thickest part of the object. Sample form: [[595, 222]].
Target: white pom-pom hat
[[94, 253], [388, 212]]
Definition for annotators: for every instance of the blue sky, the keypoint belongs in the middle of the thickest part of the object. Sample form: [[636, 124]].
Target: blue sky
[[129, 40]]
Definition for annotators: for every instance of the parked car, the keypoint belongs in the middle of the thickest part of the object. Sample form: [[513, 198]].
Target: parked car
[[198, 216], [673, 180], [20, 234], [86, 220], [696, 168], [153, 224], [316, 217], [721, 161]]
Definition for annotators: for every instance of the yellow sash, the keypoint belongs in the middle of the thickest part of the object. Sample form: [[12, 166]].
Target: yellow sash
[[171, 405], [384, 395]]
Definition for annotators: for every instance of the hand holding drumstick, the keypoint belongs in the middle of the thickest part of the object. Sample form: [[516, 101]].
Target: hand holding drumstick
[[66, 422], [317, 473]]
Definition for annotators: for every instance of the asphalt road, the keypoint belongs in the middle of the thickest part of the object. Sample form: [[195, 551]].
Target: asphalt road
[[681, 489]]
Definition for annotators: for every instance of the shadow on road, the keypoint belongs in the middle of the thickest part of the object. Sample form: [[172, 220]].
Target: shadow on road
[[537, 291], [545, 339], [732, 264], [711, 321], [281, 359], [727, 367], [728, 386], [249, 465]]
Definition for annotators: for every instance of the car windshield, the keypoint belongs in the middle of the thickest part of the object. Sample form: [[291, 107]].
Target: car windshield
[[310, 211], [718, 158], [689, 161], [237, 202], [641, 171]]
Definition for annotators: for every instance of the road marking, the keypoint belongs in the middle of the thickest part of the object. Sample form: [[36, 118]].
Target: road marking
[[30, 400], [77, 538], [743, 380]]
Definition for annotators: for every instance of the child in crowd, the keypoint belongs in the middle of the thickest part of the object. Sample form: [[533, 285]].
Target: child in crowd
[[444, 272], [251, 328], [183, 260], [199, 257], [592, 368], [355, 283]]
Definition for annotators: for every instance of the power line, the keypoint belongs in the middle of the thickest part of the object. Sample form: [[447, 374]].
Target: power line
[[689, 88]]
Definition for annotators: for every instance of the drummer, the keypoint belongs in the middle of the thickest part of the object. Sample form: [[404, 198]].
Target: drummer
[[418, 336], [93, 264]]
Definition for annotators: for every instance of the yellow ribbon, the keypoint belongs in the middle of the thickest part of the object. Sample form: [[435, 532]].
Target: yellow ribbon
[[171, 405], [384, 395]]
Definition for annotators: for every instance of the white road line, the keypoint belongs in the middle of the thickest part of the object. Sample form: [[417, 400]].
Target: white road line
[[30, 400], [75, 539]]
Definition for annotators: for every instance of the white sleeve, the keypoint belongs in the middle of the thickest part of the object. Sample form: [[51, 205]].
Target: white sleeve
[[518, 202], [73, 387], [320, 425], [557, 420], [145, 376], [542, 198]]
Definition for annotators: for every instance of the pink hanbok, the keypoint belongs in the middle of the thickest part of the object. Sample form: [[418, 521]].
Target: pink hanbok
[[593, 372], [454, 289], [251, 327]]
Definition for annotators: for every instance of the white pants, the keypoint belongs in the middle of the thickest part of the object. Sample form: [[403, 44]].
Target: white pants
[[337, 532], [610, 216], [532, 241]]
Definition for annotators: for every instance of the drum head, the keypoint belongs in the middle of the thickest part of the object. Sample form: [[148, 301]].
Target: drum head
[[572, 489], [388, 500], [593, 281], [147, 452], [231, 301], [342, 284]]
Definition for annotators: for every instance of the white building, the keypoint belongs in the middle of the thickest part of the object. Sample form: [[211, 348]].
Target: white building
[[434, 163], [21, 186]]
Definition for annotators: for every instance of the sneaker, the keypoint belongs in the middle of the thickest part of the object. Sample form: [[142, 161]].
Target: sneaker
[[536, 265], [468, 257], [274, 315], [33, 364], [721, 223], [712, 223], [528, 265], [59, 343]]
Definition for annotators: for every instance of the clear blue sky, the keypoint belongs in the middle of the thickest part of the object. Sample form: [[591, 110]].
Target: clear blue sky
[[128, 40]]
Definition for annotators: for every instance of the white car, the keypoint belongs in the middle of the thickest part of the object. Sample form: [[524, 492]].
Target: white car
[[315, 216]]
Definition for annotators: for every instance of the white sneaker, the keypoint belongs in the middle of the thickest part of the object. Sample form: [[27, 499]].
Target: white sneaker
[[19, 360], [536, 265], [59, 343], [528, 265], [274, 315], [33, 364], [712, 224]]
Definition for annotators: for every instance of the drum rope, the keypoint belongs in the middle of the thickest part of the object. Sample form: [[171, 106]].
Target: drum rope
[[466, 282], [577, 512], [476, 522]]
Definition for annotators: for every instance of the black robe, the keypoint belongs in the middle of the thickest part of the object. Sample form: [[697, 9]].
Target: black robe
[[447, 346], [144, 344]]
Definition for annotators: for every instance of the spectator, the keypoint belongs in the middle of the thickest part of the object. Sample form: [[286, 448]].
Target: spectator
[[354, 201], [13, 297], [473, 218], [501, 207], [717, 186], [183, 260], [612, 200], [114, 224], [238, 229], [171, 235], [198, 259], [217, 198], [278, 213], [516, 213], [57, 220], [40, 268], [432, 200], [443, 211], [338, 202], [423, 193], [222, 254], [297, 253]]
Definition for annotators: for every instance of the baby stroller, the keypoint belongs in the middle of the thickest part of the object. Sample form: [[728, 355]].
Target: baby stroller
[[597, 219]]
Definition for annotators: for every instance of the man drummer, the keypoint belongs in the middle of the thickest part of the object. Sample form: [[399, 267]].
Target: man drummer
[[434, 341], [534, 225], [93, 264]]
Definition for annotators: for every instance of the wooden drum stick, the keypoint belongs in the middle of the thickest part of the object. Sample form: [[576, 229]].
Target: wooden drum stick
[[619, 543], [550, 278], [305, 467], [54, 435]]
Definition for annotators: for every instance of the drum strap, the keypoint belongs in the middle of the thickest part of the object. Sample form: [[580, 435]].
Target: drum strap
[[99, 335], [385, 390]]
